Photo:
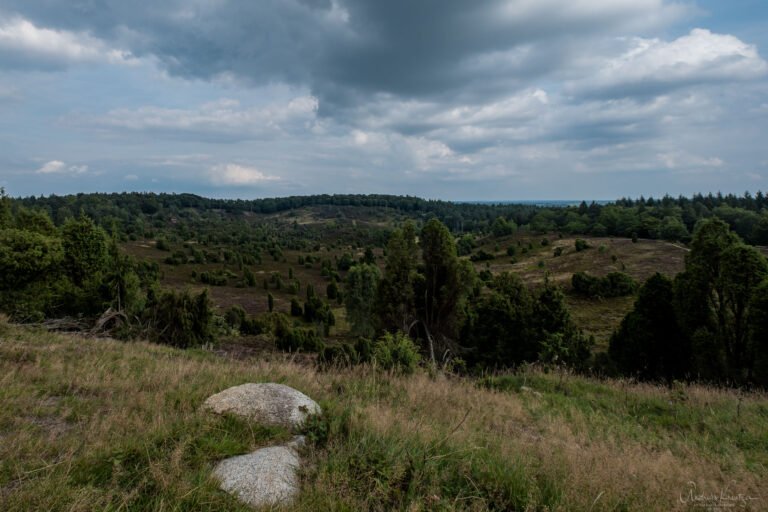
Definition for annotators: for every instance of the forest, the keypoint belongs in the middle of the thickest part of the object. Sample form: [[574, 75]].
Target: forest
[[402, 281]]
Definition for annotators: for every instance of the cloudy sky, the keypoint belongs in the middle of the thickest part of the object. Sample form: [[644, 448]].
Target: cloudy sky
[[452, 99]]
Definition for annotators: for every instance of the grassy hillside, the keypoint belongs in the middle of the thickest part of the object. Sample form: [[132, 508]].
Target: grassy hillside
[[95, 424], [532, 262]]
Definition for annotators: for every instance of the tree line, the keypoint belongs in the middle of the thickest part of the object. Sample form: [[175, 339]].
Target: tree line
[[665, 218]]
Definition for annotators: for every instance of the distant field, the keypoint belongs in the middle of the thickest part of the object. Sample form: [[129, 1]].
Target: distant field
[[598, 317], [532, 262]]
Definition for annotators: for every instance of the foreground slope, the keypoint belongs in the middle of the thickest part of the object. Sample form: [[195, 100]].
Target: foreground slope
[[92, 424]]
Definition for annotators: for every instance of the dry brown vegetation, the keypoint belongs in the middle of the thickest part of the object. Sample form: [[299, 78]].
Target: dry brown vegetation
[[97, 424], [597, 317]]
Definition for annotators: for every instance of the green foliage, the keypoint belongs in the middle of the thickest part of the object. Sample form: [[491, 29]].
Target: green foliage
[[649, 343], [181, 319], [758, 333], [235, 317], [673, 229], [270, 302], [123, 285], [581, 245], [6, 218], [360, 296], [499, 331], [249, 277], [296, 309], [396, 352], [26, 256], [445, 286], [293, 339], [162, 244], [615, 284], [214, 278], [465, 245], [332, 290], [36, 221], [342, 355], [395, 301], [345, 262], [563, 342], [510, 326], [481, 255], [368, 257], [85, 249], [714, 299], [502, 227]]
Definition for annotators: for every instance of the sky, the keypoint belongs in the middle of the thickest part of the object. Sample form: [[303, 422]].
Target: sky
[[448, 99]]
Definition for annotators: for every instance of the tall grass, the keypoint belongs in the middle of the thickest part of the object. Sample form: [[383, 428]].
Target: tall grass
[[94, 424]]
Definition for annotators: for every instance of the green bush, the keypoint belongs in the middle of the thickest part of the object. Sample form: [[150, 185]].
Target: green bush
[[481, 255], [615, 284], [181, 319], [343, 355], [396, 352], [296, 309]]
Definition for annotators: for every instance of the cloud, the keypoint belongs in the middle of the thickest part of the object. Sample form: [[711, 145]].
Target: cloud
[[59, 167], [25, 45], [235, 174], [396, 95], [223, 120], [653, 67], [345, 51], [678, 159]]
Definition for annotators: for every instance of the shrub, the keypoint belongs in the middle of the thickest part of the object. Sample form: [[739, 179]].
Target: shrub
[[581, 245], [235, 316], [292, 340], [615, 284], [396, 352], [343, 355], [481, 255], [296, 309], [162, 245], [181, 319]]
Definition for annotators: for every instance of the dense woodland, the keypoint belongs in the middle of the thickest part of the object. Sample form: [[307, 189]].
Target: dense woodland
[[406, 274]]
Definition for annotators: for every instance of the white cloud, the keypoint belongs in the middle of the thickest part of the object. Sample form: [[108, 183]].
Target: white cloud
[[224, 118], [648, 66], [59, 167], [23, 44], [680, 159], [51, 167], [235, 174]]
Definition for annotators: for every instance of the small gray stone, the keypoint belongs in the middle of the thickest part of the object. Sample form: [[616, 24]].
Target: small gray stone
[[269, 404], [266, 477]]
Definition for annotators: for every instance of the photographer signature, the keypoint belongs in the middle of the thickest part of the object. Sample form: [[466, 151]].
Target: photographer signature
[[724, 499]]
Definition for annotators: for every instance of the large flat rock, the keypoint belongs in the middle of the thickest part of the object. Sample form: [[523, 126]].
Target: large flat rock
[[266, 477], [268, 404]]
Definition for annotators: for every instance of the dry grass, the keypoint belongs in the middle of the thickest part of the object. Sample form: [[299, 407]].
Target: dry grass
[[597, 317], [96, 424]]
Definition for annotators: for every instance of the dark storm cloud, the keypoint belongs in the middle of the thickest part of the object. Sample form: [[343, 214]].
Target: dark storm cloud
[[345, 51], [354, 94]]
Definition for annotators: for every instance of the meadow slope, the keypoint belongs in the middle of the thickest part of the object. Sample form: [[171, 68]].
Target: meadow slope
[[96, 424]]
